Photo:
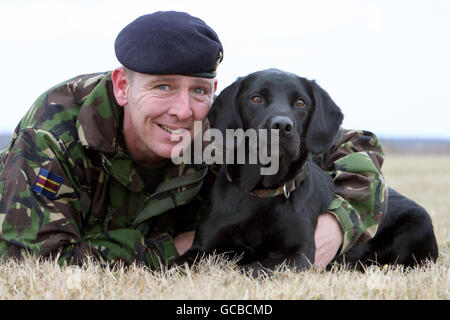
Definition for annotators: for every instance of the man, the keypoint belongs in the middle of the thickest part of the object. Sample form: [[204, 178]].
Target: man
[[88, 170]]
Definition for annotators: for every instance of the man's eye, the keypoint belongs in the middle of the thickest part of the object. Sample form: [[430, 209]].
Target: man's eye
[[163, 87], [199, 91]]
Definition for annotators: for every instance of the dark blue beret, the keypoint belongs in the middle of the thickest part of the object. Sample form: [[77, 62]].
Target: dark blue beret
[[169, 42]]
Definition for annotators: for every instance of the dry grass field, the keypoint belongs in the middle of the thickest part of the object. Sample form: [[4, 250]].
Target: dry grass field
[[424, 178]]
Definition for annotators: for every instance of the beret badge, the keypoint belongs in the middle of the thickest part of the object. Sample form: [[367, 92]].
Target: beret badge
[[219, 59]]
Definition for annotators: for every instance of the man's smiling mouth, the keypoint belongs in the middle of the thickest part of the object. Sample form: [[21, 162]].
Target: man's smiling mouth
[[170, 130]]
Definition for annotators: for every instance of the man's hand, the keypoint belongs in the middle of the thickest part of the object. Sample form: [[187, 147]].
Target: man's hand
[[328, 239], [184, 241]]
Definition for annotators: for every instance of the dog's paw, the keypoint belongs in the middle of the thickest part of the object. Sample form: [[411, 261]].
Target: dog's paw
[[190, 257], [256, 270], [179, 261]]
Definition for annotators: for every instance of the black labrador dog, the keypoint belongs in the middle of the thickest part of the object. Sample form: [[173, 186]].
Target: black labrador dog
[[267, 220]]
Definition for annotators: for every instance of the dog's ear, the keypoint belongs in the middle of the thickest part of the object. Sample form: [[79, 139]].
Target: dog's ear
[[325, 121], [224, 113]]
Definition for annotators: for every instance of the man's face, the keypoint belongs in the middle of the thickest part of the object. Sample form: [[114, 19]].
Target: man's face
[[157, 105]]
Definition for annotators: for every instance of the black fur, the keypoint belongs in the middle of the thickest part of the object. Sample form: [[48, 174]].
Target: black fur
[[405, 236], [267, 231]]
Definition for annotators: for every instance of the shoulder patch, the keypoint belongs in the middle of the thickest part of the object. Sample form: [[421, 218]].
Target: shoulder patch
[[47, 183]]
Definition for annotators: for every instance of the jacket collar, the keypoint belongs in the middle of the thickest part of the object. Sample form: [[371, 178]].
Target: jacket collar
[[100, 118], [99, 127]]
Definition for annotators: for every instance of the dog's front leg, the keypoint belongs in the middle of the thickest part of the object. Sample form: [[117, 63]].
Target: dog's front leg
[[207, 240], [297, 262], [264, 267], [190, 257]]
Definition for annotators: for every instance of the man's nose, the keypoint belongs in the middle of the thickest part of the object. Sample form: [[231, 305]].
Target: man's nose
[[181, 106]]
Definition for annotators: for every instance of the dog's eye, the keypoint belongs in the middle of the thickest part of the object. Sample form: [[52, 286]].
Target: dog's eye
[[256, 99], [300, 103]]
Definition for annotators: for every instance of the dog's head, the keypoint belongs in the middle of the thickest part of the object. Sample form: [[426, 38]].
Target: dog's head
[[300, 109]]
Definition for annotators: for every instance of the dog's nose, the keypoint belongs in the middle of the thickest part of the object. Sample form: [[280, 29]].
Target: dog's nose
[[284, 124]]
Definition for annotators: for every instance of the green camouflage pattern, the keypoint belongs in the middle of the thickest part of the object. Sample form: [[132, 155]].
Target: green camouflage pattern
[[360, 200], [101, 210], [74, 130]]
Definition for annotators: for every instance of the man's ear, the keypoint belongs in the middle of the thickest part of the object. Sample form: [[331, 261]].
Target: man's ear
[[215, 85], [121, 85]]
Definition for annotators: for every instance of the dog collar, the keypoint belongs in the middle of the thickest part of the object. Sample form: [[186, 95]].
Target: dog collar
[[285, 189]]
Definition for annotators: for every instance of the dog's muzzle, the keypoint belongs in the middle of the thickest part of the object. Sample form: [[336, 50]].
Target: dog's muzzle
[[289, 139], [282, 123]]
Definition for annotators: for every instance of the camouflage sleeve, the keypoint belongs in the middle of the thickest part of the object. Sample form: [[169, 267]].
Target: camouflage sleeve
[[42, 213], [360, 191]]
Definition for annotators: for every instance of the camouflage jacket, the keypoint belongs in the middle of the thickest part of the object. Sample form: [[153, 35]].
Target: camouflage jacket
[[360, 201], [69, 190]]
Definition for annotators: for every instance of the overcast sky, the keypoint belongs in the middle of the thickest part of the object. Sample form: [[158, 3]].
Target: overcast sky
[[385, 63]]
